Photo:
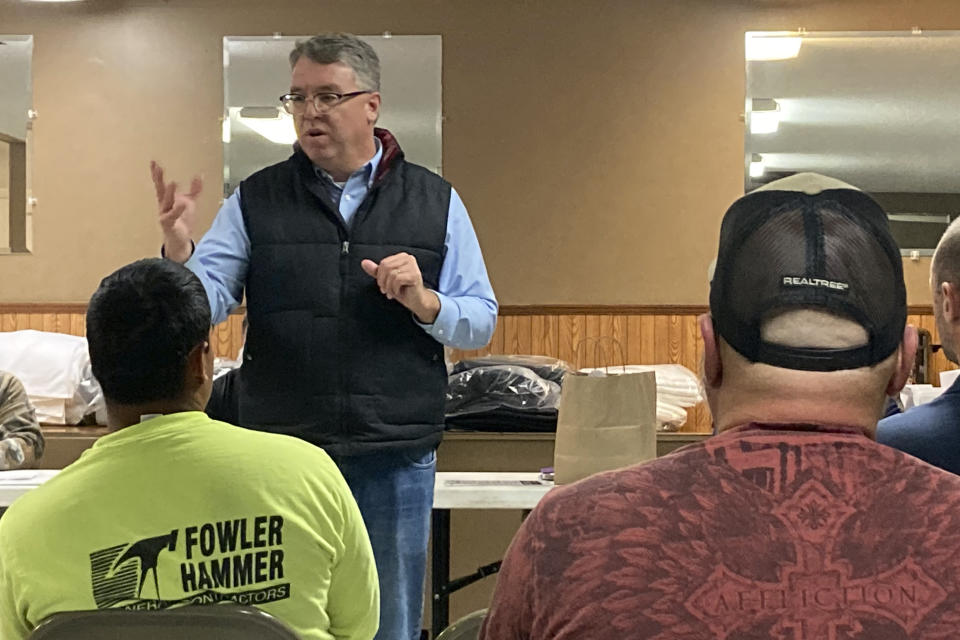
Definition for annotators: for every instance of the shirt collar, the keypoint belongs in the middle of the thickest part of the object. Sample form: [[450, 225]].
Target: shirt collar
[[368, 171]]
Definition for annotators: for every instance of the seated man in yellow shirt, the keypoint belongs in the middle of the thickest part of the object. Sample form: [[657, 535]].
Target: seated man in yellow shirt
[[174, 508]]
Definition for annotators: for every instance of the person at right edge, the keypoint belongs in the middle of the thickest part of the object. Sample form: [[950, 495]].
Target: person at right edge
[[931, 431], [791, 522], [358, 268]]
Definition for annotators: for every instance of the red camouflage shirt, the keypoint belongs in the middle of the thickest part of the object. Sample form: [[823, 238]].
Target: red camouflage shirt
[[791, 532]]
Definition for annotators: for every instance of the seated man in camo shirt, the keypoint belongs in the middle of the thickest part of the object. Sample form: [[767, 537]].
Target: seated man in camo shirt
[[791, 522], [21, 442]]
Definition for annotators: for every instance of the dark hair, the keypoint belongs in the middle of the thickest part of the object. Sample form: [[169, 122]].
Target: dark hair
[[142, 322]]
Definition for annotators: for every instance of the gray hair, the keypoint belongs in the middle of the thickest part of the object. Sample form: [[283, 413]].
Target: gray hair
[[328, 48], [945, 266]]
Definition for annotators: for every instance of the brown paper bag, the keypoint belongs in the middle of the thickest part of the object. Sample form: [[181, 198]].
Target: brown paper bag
[[604, 423]]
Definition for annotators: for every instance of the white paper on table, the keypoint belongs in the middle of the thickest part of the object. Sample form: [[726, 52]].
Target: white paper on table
[[948, 377], [55, 371], [50, 365], [494, 483], [26, 476], [914, 395]]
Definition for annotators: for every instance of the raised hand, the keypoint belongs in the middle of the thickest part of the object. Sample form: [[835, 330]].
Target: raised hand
[[399, 278], [177, 212]]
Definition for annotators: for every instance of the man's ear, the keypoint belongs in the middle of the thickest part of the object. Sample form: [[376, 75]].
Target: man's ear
[[712, 367], [373, 107], [950, 302], [906, 354], [197, 362]]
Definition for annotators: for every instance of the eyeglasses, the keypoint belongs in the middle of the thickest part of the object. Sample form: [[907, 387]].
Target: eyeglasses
[[295, 103]]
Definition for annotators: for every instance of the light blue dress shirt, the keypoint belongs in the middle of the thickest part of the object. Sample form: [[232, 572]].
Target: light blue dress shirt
[[468, 307]]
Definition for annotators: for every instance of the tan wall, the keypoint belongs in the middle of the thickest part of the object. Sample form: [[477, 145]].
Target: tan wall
[[596, 144], [4, 194]]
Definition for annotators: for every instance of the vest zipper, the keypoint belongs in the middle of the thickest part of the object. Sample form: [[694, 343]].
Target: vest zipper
[[341, 330]]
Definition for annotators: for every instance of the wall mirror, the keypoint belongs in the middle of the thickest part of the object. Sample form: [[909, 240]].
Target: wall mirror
[[16, 99], [257, 132], [875, 109]]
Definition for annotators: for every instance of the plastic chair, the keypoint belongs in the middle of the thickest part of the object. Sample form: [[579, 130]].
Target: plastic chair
[[212, 622], [466, 628]]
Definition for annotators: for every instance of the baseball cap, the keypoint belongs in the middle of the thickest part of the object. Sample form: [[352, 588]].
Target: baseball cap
[[808, 242]]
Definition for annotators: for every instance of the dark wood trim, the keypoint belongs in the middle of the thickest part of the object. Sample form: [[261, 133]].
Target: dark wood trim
[[505, 310]]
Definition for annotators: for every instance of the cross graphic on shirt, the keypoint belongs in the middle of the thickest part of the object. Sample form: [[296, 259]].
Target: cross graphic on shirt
[[816, 597]]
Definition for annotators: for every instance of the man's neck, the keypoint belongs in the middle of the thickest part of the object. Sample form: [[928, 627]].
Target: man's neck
[[798, 411], [340, 175], [122, 416], [342, 171]]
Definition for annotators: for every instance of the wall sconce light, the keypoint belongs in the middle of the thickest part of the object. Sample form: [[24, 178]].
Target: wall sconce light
[[764, 116], [768, 46], [274, 124]]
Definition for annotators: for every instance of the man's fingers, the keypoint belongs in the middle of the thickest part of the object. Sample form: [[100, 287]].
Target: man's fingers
[[157, 173], [390, 261], [391, 289], [396, 260], [180, 205], [169, 194], [369, 267], [393, 273], [383, 274], [399, 280], [196, 186], [167, 218], [183, 201]]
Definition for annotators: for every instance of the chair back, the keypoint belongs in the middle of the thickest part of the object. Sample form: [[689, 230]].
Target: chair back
[[466, 628], [211, 622]]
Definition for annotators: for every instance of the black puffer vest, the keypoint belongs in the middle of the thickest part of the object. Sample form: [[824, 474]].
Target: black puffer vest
[[328, 358]]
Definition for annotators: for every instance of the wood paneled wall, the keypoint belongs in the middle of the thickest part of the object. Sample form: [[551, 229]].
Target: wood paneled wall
[[71, 319], [922, 318], [647, 335]]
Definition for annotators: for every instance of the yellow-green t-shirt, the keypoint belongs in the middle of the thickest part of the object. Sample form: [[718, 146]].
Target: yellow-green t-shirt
[[181, 509]]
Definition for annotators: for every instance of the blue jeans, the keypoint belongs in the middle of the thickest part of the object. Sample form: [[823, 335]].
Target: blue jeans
[[394, 490]]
